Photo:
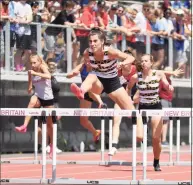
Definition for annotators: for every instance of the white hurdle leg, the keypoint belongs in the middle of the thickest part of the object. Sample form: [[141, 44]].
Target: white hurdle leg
[[110, 135], [36, 138], [54, 146], [134, 154], [145, 149], [102, 139], [190, 133], [44, 136], [178, 141], [171, 142]]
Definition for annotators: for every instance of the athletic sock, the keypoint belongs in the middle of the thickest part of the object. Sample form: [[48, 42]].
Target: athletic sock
[[156, 162], [39, 146], [114, 145]]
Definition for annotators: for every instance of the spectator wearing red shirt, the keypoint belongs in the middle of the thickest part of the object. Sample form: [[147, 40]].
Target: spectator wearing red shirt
[[131, 27], [88, 18], [102, 15], [166, 101]]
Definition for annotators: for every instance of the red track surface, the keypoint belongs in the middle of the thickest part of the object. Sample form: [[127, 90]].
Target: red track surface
[[170, 173]]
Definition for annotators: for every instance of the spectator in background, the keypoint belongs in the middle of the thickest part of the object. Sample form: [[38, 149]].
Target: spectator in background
[[112, 14], [102, 15], [23, 17], [53, 14], [110, 3], [83, 3], [12, 7], [36, 18], [131, 28], [142, 23], [166, 101], [169, 28], [88, 19], [176, 4], [120, 15], [4, 15], [179, 36], [157, 46], [45, 15], [50, 34], [187, 4], [112, 24], [188, 35]]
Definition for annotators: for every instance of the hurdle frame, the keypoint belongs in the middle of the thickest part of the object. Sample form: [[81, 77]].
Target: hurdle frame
[[145, 180], [54, 180]]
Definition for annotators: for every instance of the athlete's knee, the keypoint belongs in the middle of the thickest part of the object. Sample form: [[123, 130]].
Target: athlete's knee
[[156, 139], [33, 101]]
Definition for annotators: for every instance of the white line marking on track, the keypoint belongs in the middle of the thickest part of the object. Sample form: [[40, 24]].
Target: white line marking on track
[[83, 173]]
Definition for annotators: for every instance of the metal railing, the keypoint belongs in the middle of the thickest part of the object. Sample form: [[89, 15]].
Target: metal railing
[[9, 54]]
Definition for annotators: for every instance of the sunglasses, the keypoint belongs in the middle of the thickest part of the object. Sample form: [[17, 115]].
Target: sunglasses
[[120, 11], [146, 9], [180, 15]]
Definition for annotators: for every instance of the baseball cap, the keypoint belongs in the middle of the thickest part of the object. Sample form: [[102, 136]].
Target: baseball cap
[[180, 12], [114, 7], [101, 3]]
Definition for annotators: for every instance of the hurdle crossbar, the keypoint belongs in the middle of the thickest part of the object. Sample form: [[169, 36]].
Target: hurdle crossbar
[[178, 112]]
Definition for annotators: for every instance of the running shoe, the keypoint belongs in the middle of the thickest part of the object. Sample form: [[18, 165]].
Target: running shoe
[[58, 151], [165, 144], [77, 91], [112, 152], [157, 168], [97, 135], [22, 129]]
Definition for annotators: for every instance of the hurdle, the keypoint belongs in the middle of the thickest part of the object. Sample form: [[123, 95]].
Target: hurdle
[[28, 112], [134, 114], [88, 112], [183, 112]]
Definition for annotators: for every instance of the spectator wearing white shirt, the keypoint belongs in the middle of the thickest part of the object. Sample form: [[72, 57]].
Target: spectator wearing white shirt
[[141, 22], [179, 36], [23, 16]]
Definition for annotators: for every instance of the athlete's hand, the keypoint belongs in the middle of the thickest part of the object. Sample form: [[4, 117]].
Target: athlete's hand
[[29, 90], [72, 74], [32, 72], [178, 72], [119, 65]]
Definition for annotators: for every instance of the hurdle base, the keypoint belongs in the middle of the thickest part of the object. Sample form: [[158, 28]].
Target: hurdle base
[[95, 181], [24, 181], [182, 163], [100, 163], [117, 163], [161, 181], [21, 162], [116, 182]]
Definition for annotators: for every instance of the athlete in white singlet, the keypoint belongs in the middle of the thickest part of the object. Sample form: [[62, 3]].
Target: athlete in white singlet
[[104, 76], [40, 78], [148, 84]]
